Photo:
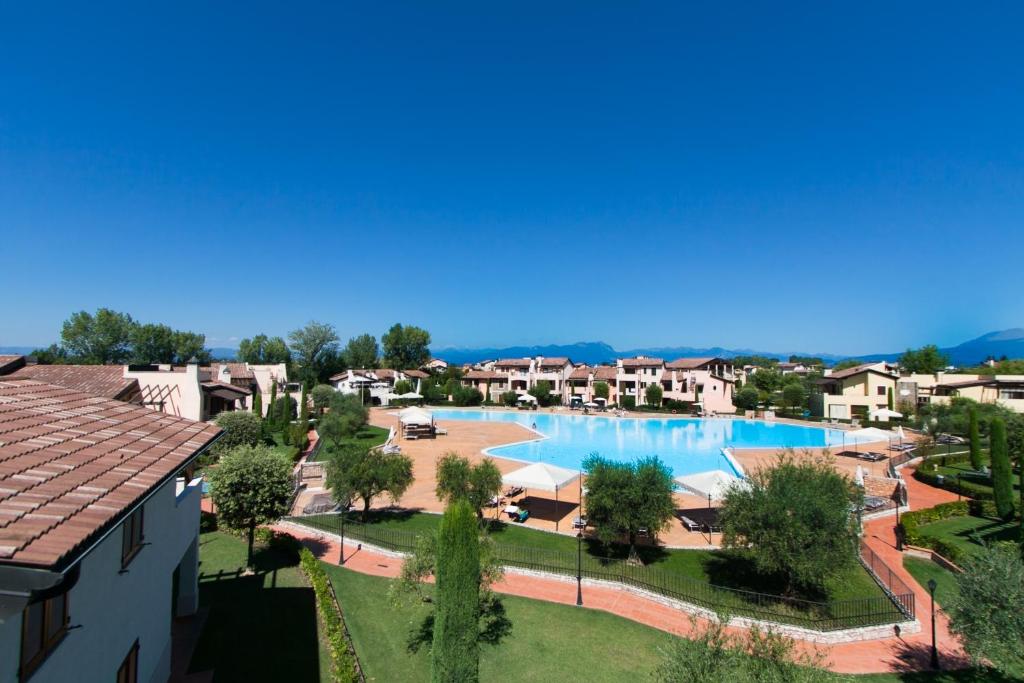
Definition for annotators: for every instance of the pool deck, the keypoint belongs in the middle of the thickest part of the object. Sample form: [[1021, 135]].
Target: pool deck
[[470, 438]]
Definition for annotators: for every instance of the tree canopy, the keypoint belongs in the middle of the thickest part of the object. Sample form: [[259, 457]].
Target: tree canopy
[[405, 347], [251, 485], [355, 472], [314, 350], [347, 415], [241, 428], [477, 484], [653, 394], [624, 497], [794, 520], [925, 360], [361, 352], [110, 337], [263, 350]]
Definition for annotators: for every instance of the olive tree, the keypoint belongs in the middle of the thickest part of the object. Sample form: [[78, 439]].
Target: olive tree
[[477, 484], [355, 472]]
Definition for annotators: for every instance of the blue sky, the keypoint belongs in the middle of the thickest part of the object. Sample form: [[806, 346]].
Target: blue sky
[[638, 173]]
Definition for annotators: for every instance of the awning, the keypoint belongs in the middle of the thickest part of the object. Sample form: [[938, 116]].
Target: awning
[[228, 392], [883, 412], [541, 475], [527, 398], [415, 416], [714, 483], [409, 395], [870, 434]]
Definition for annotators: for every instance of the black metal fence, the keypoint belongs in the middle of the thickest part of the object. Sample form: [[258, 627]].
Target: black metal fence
[[901, 594], [820, 616]]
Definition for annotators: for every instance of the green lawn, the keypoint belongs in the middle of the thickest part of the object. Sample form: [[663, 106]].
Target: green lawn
[[969, 475], [289, 452], [969, 534], [261, 627], [367, 437], [685, 574], [922, 570]]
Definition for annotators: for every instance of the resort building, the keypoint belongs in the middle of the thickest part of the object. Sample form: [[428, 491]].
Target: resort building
[[921, 389], [107, 381], [99, 535], [380, 383], [191, 392], [854, 392], [490, 383], [435, 365], [707, 382]]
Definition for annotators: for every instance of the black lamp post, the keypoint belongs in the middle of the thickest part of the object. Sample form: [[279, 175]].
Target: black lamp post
[[579, 569], [341, 550], [898, 495], [935, 652]]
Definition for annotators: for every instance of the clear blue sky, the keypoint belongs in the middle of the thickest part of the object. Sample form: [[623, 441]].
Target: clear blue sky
[[637, 173]]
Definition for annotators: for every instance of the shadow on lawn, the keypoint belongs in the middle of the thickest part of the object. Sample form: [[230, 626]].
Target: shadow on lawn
[[258, 630], [913, 662], [494, 626]]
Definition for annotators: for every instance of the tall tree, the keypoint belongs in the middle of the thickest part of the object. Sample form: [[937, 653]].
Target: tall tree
[[793, 519], [189, 345], [355, 472], [653, 394], [455, 653], [263, 350], [406, 347], [601, 390], [98, 339], [251, 485], [624, 497], [477, 484], [925, 360], [322, 395], [1002, 472], [974, 438], [152, 343], [315, 348], [271, 417], [988, 610], [361, 352], [257, 404]]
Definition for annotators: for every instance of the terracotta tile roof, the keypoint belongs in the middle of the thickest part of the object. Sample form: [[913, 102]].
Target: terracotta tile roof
[[9, 363], [71, 465], [856, 370], [582, 372], [605, 373], [237, 370], [512, 363], [107, 381], [691, 363], [484, 374], [214, 384], [642, 362], [555, 362], [417, 374]]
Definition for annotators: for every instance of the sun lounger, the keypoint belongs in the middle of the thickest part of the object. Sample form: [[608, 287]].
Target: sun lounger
[[873, 456], [579, 523], [872, 503], [689, 523], [392, 450], [513, 491], [441, 431]]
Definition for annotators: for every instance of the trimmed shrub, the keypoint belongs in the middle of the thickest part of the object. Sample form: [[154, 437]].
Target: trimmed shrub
[[455, 655], [973, 438], [509, 398], [628, 402], [344, 668], [241, 428], [1002, 472]]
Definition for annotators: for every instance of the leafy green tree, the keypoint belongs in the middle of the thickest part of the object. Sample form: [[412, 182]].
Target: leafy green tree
[[809, 361], [271, 408], [152, 343], [746, 398], [847, 364], [264, 350], [322, 395], [793, 520], [601, 390], [1002, 472], [315, 350], [98, 339], [241, 428], [354, 472], [405, 347], [509, 398], [455, 653], [974, 438], [542, 392], [251, 486], [477, 484], [925, 360], [793, 396], [403, 386], [284, 411], [257, 404], [653, 394], [189, 345], [54, 354], [767, 380], [624, 497], [466, 396], [889, 398], [361, 352], [988, 610], [344, 419]]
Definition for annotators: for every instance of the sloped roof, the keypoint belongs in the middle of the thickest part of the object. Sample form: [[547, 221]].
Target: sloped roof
[[107, 381], [856, 370], [554, 362], [483, 374], [512, 363], [9, 363], [416, 374], [642, 362], [72, 465], [581, 372], [605, 372], [691, 363]]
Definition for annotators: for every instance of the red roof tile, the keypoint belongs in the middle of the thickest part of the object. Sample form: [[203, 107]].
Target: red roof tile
[[513, 363], [642, 362], [691, 363], [10, 363], [107, 381], [71, 464]]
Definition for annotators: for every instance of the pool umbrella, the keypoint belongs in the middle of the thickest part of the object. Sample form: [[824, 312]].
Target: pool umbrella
[[527, 398], [543, 476], [884, 412], [713, 484]]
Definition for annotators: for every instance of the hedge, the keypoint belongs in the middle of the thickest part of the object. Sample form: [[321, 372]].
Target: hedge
[[345, 669], [911, 522], [966, 487]]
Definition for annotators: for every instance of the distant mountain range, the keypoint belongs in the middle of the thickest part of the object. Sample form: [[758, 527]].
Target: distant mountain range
[[1009, 343]]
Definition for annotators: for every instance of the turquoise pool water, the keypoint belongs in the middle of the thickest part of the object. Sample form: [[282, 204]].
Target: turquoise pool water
[[687, 445]]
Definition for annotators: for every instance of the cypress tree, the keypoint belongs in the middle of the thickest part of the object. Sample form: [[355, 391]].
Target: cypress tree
[[455, 654], [888, 397], [972, 433], [257, 404], [271, 417], [303, 427], [1002, 473]]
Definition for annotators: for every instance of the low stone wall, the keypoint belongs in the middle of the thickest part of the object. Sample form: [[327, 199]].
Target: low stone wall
[[929, 554]]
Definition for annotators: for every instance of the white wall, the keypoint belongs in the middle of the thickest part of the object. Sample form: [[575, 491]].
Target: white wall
[[112, 609]]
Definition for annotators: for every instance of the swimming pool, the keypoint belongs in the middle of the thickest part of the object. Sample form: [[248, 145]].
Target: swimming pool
[[687, 445]]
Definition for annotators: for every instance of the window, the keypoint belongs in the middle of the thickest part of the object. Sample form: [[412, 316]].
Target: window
[[43, 625], [131, 541], [128, 672], [881, 391]]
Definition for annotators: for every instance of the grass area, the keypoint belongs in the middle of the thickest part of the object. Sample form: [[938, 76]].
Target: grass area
[[922, 570], [970, 534], [289, 452], [979, 480], [261, 627], [716, 579], [367, 437]]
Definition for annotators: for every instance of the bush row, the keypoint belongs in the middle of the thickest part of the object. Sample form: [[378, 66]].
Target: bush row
[[345, 669], [911, 522], [930, 476]]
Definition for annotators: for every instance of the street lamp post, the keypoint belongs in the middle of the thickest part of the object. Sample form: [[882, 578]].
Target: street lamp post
[[579, 569], [935, 652], [341, 550], [899, 536]]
